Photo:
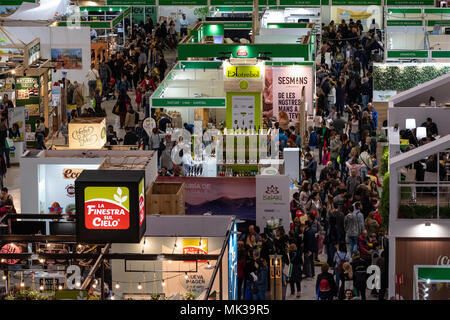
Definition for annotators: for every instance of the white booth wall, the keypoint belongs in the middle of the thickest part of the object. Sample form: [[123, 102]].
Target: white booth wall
[[173, 272], [299, 32], [62, 38], [440, 116], [405, 37]]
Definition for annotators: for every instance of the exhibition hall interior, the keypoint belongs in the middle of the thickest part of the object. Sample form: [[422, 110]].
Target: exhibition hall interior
[[236, 150]]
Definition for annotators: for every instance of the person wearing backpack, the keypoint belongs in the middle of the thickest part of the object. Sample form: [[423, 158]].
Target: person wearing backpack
[[359, 267], [340, 257], [325, 285]]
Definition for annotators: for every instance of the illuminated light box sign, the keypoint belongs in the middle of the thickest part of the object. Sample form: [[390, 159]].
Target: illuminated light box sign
[[110, 206], [195, 246], [87, 133], [246, 72]]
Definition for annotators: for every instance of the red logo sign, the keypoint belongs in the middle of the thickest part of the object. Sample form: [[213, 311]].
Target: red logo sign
[[141, 209], [70, 189], [272, 190], [242, 53], [11, 248], [104, 214]]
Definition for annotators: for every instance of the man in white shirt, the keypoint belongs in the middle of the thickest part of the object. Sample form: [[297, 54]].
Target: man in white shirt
[[183, 25], [374, 26], [92, 77]]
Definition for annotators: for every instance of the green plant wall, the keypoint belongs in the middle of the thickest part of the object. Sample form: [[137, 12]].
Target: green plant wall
[[384, 202], [401, 79]]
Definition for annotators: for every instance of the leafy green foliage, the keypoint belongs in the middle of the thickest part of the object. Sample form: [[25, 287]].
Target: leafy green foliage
[[385, 161], [384, 202], [422, 212], [401, 79], [26, 295], [201, 12]]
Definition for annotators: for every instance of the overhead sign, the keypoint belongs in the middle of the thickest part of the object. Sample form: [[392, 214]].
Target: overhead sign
[[245, 72], [195, 246], [110, 206]]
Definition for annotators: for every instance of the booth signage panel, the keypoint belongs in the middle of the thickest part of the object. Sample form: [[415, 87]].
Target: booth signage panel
[[237, 25], [303, 2], [243, 72], [232, 264], [110, 206], [437, 10], [413, 11], [107, 208], [244, 110], [404, 23], [272, 199], [198, 50], [409, 2], [207, 103], [432, 23], [195, 246], [183, 2], [34, 53], [356, 3], [408, 54], [440, 54], [131, 2], [238, 2]]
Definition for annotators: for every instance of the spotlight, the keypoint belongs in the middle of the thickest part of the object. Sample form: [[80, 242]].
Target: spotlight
[[3, 277], [60, 287], [186, 275], [139, 286], [41, 288], [163, 283], [117, 285], [22, 284]]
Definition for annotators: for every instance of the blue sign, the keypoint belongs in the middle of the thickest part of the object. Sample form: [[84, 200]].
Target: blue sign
[[232, 264]]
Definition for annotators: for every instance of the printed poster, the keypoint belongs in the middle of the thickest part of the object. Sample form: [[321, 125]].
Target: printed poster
[[291, 87], [67, 58], [243, 108]]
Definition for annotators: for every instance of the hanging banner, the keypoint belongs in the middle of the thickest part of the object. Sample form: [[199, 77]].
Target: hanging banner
[[291, 86], [272, 200]]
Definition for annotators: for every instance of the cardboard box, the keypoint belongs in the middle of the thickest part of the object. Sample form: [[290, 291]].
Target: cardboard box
[[165, 198]]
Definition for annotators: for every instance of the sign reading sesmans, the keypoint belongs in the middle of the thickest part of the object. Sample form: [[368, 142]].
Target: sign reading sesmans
[[243, 72]]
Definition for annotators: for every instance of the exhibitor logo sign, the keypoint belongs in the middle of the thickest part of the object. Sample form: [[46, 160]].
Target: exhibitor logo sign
[[242, 53], [141, 202], [71, 173], [107, 208], [249, 72], [272, 193]]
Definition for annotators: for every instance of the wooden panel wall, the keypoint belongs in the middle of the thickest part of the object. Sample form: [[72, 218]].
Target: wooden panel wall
[[414, 251]]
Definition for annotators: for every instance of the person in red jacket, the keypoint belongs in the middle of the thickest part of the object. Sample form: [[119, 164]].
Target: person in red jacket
[[363, 246]]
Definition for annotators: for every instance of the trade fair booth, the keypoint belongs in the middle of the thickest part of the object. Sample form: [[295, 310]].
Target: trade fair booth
[[169, 274], [53, 172], [413, 105]]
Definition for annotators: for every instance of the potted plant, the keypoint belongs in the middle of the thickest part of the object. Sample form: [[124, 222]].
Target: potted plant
[[190, 296], [26, 294], [201, 12]]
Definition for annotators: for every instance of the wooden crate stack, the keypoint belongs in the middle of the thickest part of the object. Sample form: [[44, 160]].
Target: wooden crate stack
[[165, 198]]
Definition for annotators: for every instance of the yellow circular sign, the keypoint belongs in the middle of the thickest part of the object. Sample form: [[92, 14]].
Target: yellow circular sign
[[243, 85]]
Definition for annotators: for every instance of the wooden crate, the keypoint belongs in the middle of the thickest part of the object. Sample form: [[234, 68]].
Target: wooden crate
[[165, 198]]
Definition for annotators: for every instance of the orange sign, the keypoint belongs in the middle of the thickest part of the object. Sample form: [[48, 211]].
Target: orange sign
[[195, 246]]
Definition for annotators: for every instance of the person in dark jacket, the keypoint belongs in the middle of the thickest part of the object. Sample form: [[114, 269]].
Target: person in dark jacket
[[340, 97], [240, 272], [123, 100], [295, 269], [332, 237], [359, 267], [260, 285], [308, 249], [325, 285]]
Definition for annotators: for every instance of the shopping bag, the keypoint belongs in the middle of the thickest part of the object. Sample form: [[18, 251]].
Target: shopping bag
[[9, 143]]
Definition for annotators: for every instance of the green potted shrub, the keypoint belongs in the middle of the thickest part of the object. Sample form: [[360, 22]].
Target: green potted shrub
[[26, 294]]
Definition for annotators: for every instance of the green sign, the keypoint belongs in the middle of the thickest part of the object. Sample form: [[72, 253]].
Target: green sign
[[239, 2], [183, 2], [440, 54], [433, 273], [199, 50], [303, 2], [286, 25], [409, 3], [199, 65], [437, 10], [196, 103], [408, 54], [405, 11], [237, 25], [212, 30], [130, 2], [356, 2], [432, 23], [391, 23], [14, 2]]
